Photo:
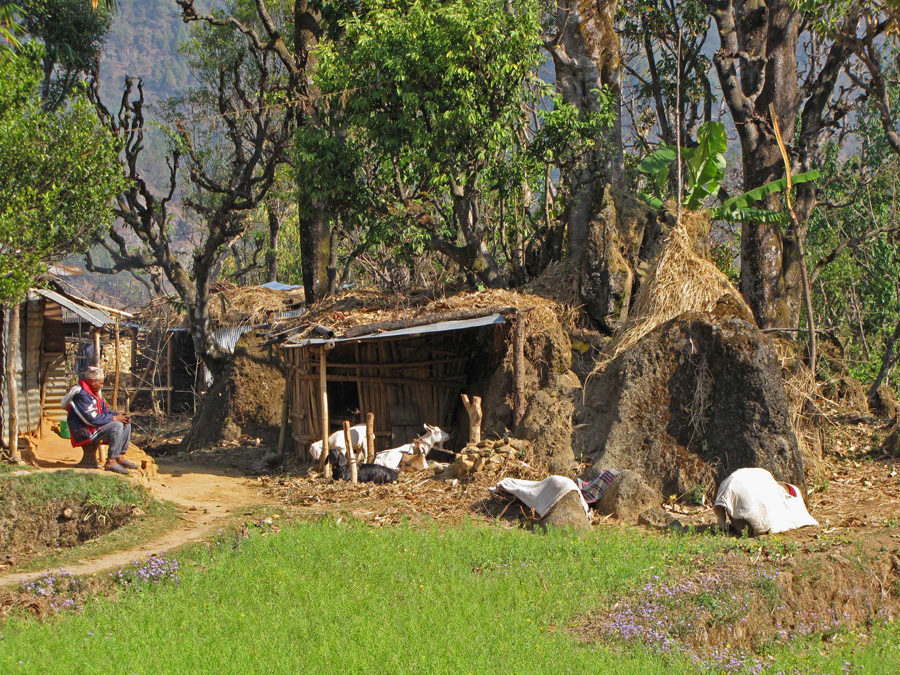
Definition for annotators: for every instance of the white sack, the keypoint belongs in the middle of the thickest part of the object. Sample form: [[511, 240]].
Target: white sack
[[541, 495], [755, 496]]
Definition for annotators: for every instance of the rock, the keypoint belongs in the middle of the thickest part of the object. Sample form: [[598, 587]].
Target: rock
[[462, 466], [848, 393], [478, 465], [230, 432], [656, 518], [883, 403], [548, 425], [622, 237], [628, 496], [68, 513], [567, 512], [697, 398]]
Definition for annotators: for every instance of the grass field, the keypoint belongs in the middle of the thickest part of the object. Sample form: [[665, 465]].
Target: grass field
[[328, 597], [94, 495]]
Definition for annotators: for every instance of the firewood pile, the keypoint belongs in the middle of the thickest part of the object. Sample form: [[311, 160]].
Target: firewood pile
[[491, 456]]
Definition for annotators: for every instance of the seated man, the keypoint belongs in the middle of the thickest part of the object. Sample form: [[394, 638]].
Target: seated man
[[91, 420]]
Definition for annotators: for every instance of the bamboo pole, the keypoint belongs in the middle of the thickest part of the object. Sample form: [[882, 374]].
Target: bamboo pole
[[370, 437], [97, 354], [285, 409], [12, 351], [169, 376], [351, 453], [324, 464], [473, 407], [519, 370], [115, 396]]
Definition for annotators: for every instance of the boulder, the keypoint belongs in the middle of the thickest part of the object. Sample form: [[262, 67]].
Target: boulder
[[548, 423], [567, 512], [629, 496], [622, 236], [848, 393], [698, 397], [883, 403], [657, 518]]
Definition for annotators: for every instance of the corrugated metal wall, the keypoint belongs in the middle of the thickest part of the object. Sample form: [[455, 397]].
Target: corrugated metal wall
[[29, 367]]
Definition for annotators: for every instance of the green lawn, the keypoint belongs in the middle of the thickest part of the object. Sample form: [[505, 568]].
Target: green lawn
[[343, 598]]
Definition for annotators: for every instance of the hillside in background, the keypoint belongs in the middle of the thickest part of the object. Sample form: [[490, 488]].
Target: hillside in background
[[143, 42]]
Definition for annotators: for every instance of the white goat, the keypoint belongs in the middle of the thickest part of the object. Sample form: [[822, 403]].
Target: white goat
[[336, 440]]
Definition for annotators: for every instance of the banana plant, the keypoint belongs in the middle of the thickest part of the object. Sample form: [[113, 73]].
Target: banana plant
[[704, 167]]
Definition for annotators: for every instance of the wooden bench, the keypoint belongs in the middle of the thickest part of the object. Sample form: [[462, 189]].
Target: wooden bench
[[94, 455]]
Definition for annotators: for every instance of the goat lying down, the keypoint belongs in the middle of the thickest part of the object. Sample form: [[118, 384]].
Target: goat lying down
[[411, 456], [365, 473]]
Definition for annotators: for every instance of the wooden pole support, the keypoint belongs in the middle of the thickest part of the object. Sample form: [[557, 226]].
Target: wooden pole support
[[324, 464], [97, 353], [519, 370], [115, 397], [351, 453], [370, 437], [473, 407], [285, 409]]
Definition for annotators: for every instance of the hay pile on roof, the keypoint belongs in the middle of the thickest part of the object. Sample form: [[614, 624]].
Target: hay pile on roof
[[363, 307], [678, 281], [229, 305]]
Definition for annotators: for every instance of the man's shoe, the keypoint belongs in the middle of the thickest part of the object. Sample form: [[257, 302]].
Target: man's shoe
[[116, 468], [127, 464]]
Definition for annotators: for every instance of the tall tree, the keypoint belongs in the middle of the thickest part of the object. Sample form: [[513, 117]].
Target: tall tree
[[584, 46], [232, 132], [437, 89], [757, 67]]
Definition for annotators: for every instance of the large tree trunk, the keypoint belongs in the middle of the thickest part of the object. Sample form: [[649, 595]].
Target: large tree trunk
[[757, 66], [315, 226], [585, 54], [272, 255], [12, 351]]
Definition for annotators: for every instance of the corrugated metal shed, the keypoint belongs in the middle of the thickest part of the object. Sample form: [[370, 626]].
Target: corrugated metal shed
[[95, 317], [28, 370]]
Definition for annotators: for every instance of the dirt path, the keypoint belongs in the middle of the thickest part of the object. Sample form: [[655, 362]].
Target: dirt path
[[207, 496]]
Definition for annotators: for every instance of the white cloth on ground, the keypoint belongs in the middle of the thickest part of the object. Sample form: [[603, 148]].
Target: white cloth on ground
[[755, 496], [541, 495]]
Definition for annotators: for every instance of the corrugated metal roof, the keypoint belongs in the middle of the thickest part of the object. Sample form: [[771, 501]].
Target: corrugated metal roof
[[278, 286], [440, 327], [227, 338], [95, 317]]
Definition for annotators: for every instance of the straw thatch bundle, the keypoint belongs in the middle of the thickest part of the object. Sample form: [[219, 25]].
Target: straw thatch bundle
[[229, 305], [678, 281], [362, 307]]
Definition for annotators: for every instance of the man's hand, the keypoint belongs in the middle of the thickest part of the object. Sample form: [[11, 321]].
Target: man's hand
[[124, 418]]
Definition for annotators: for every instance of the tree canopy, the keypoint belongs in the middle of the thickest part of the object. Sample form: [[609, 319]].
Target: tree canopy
[[58, 176]]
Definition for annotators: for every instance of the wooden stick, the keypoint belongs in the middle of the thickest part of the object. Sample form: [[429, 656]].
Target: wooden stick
[[370, 437], [169, 377], [473, 407], [285, 409], [324, 464], [519, 370], [115, 397], [351, 453], [97, 355], [450, 381]]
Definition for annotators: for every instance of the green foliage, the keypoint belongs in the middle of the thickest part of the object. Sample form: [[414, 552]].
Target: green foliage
[[567, 133], [704, 170], [423, 95], [72, 33], [58, 176]]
